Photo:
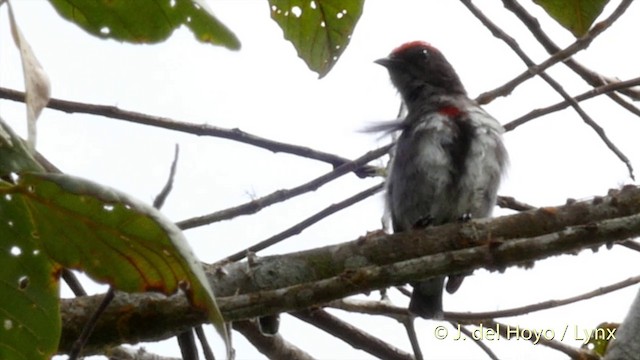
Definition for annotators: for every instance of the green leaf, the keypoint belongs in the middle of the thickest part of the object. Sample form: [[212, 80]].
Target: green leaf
[[320, 30], [29, 305], [114, 239], [14, 156], [576, 16], [146, 21]]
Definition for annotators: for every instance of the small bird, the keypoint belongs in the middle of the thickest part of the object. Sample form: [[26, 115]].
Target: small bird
[[449, 157]]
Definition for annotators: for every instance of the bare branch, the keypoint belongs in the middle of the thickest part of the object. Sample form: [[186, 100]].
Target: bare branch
[[591, 77], [206, 348], [622, 102], [126, 353], [194, 129], [350, 334], [162, 196], [403, 290], [478, 342], [398, 313], [256, 205], [187, 343], [545, 304], [299, 227], [631, 245], [604, 89], [369, 307], [591, 123], [89, 326], [372, 262], [508, 332], [580, 44], [73, 282], [413, 338], [274, 347], [508, 202]]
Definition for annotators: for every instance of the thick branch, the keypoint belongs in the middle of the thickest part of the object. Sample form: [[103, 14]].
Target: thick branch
[[296, 281]]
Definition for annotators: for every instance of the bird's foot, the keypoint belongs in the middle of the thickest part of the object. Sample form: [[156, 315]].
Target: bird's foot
[[423, 222]]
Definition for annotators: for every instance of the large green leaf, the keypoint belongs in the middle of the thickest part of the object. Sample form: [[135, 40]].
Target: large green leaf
[[113, 238], [576, 16], [320, 30], [29, 305], [146, 21], [78, 224]]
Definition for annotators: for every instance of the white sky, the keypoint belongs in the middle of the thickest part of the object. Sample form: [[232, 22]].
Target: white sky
[[265, 89]]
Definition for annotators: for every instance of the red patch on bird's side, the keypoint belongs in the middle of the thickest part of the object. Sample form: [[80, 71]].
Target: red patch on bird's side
[[450, 111], [412, 44]]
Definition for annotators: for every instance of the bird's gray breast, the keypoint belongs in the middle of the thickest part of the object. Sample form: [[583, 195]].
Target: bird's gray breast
[[444, 168]]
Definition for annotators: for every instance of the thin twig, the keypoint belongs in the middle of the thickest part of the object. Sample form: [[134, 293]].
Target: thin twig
[[369, 307], [622, 102], [604, 89], [580, 44], [508, 202], [125, 353], [162, 196], [399, 313], [206, 348], [90, 325], [591, 123], [631, 245], [519, 332], [274, 347], [187, 344], [73, 283], [533, 69], [194, 129], [299, 227], [518, 311], [256, 205], [404, 291], [413, 338], [186, 339], [591, 77], [478, 342], [353, 336]]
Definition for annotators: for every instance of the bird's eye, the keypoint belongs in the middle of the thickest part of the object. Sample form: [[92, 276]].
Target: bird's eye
[[424, 53]]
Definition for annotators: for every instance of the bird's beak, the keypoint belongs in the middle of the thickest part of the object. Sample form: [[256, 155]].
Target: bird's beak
[[387, 62]]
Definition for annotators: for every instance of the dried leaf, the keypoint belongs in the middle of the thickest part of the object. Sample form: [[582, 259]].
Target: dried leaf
[[36, 81]]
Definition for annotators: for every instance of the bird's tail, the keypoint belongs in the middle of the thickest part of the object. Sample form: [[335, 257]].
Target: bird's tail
[[426, 299]]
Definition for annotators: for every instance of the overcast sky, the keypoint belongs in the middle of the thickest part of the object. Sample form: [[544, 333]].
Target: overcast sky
[[265, 89]]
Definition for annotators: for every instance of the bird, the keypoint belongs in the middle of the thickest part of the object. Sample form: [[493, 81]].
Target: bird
[[448, 160]]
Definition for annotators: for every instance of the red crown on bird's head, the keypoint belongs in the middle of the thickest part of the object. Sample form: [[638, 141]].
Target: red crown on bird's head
[[411, 45]]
